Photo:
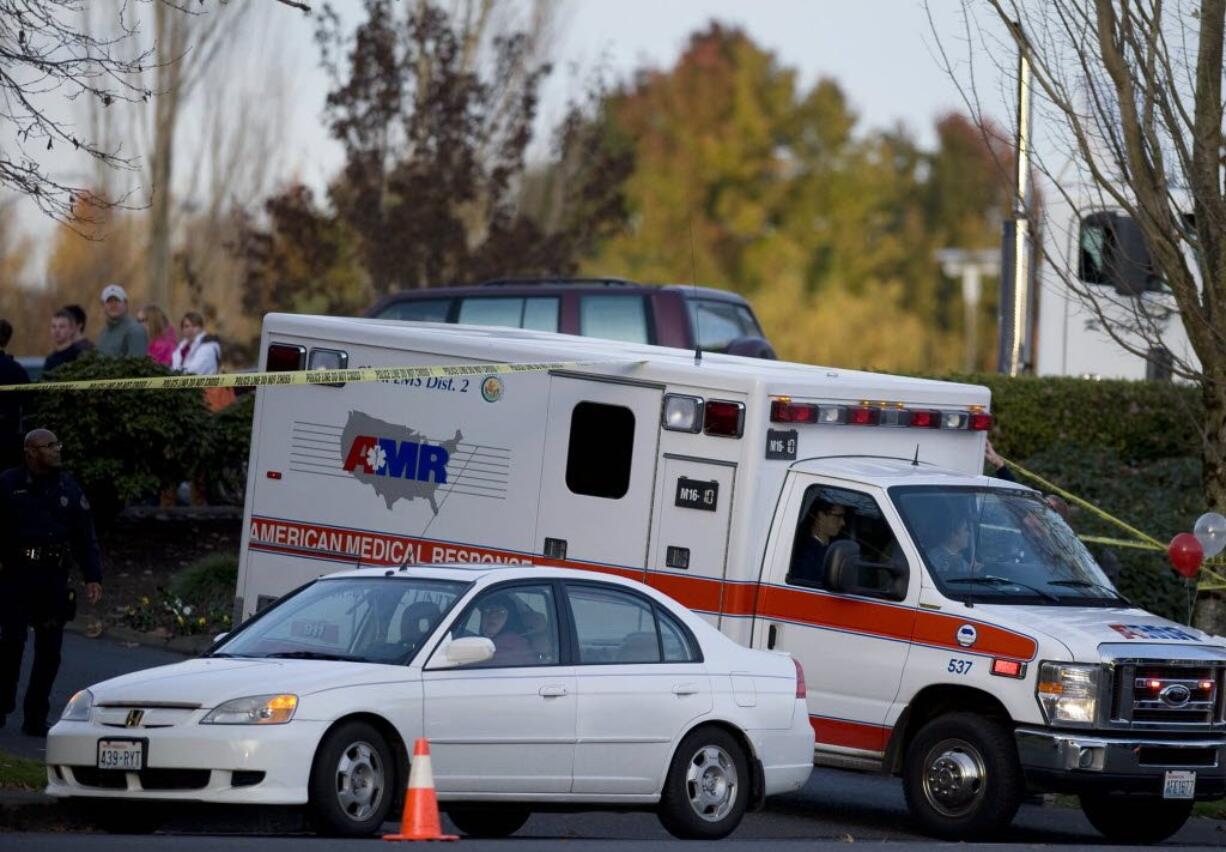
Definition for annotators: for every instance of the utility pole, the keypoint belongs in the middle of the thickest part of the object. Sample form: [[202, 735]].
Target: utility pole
[[1015, 283]]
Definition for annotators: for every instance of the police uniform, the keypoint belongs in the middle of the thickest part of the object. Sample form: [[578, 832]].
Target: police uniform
[[45, 526]]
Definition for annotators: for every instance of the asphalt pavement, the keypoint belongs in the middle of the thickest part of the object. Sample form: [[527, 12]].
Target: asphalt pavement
[[833, 808]]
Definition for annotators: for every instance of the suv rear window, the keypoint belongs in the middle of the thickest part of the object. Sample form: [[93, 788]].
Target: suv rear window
[[539, 313], [418, 310], [717, 323], [614, 317]]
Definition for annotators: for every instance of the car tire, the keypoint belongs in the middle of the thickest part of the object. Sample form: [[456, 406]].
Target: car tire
[[353, 781], [962, 777], [706, 791], [488, 820], [1135, 819]]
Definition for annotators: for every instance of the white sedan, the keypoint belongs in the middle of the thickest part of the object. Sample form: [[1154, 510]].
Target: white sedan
[[535, 687]]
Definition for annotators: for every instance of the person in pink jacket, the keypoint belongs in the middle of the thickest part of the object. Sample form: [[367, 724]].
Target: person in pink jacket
[[161, 335]]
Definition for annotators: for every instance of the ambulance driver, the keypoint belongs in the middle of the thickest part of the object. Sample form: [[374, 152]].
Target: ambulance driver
[[948, 556], [821, 525]]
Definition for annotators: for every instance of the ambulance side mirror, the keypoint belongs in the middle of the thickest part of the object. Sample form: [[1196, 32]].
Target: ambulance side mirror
[[842, 566]]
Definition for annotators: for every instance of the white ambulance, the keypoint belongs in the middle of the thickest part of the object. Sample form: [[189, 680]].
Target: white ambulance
[[952, 628]]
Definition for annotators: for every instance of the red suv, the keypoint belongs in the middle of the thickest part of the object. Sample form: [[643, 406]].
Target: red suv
[[667, 315]]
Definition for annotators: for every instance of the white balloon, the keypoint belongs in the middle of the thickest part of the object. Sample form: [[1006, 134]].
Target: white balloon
[[1210, 531]]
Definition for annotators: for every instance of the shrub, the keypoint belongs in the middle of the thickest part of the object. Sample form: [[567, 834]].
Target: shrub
[[1141, 421], [123, 445], [225, 470], [198, 599]]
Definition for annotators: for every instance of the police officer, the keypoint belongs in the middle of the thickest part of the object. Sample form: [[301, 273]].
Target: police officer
[[45, 525]]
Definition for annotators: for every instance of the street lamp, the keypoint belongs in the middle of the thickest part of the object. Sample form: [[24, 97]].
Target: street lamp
[[970, 265]]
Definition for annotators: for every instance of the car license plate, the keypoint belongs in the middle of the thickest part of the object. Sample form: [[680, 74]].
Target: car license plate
[[126, 755], [1179, 785]]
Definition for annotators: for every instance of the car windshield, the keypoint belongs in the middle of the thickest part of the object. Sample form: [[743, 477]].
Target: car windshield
[[997, 545], [356, 619]]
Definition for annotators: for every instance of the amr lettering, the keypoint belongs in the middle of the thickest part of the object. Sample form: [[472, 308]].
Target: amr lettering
[[397, 459]]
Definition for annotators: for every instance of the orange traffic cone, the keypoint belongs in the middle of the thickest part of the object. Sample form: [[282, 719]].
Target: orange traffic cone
[[420, 820]]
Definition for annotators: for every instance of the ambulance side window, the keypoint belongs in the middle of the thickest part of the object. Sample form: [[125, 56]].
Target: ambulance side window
[[829, 515], [600, 450]]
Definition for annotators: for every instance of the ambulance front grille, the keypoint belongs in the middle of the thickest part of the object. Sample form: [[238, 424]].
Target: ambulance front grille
[[1168, 695]]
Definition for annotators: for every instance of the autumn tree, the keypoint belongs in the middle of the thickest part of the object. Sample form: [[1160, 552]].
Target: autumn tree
[[747, 181], [436, 113]]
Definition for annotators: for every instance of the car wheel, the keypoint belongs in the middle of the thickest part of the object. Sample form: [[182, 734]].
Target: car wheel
[[962, 777], [488, 820], [1135, 819], [707, 787], [351, 781]]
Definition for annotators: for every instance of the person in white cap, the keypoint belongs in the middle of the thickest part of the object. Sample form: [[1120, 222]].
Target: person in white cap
[[123, 336]]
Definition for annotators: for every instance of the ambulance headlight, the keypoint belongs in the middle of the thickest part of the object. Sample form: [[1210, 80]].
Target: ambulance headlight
[[253, 710], [78, 707], [682, 413], [1068, 693]]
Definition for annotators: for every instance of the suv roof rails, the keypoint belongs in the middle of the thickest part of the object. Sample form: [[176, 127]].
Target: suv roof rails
[[561, 281]]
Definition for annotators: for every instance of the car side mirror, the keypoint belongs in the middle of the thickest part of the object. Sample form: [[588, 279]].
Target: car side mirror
[[465, 651]]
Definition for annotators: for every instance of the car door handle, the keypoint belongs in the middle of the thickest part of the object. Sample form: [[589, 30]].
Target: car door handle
[[685, 689], [552, 691]]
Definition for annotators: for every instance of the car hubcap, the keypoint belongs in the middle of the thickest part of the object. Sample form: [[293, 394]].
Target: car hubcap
[[711, 783], [359, 781], [954, 776]]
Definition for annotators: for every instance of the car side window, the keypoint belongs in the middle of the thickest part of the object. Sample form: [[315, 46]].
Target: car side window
[[539, 313], [614, 317], [830, 515], [521, 621], [716, 324], [418, 310], [613, 626]]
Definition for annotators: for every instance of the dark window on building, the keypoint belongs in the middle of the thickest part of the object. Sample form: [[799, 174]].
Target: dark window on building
[[418, 310], [1112, 252], [1159, 364], [601, 447]]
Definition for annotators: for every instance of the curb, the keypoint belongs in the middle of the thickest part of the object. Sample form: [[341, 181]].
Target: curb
[[30, 810], [189, 646]]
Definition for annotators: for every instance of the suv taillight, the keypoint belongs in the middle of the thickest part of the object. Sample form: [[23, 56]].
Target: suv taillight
[[801, 691]]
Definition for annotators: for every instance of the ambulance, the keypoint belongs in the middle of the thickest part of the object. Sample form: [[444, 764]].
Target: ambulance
[[953, 630]]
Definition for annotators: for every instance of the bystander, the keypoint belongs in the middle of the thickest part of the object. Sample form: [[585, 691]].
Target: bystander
[[161, 335], [198, 352], [12, 403], [123, 336], [66, 338]]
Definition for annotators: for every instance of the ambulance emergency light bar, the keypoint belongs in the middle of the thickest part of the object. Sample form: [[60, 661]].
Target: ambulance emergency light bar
[[783, 410]]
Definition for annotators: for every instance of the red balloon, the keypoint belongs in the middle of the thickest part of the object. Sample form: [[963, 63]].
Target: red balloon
[[1185, 554]]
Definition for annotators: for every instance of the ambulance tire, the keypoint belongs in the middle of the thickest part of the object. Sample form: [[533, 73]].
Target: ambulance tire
[[962, 777], [488, 820], [353, 781], [1133, 819], [706, 791]]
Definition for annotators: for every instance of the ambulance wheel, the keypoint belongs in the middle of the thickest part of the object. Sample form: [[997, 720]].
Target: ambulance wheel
[[962, 777], [351, 781], [707, 787], [488, 820], [1135, 819]]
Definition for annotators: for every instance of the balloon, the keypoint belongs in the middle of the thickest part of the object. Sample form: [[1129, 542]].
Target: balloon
[[1210, 531], [1185, 554]]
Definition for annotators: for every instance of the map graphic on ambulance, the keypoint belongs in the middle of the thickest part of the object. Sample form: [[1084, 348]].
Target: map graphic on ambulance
[[399, 463]]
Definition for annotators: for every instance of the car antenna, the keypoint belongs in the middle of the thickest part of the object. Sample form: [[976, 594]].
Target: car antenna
[[693, 283], [915, 461]]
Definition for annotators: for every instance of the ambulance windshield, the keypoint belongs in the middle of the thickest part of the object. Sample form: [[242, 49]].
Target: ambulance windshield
[[995, 545]]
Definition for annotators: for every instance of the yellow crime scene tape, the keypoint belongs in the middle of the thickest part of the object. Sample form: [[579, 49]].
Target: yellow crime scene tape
[[303, 377], [1209, 579]]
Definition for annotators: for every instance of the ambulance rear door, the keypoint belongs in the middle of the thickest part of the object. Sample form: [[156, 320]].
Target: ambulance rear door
[[599, 470]]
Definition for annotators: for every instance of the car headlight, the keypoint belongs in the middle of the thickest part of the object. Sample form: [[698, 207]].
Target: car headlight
[[1068, 693], [253, 710], [78, 707]]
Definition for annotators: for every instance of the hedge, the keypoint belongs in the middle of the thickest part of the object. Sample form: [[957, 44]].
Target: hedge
[[1141, 421]]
